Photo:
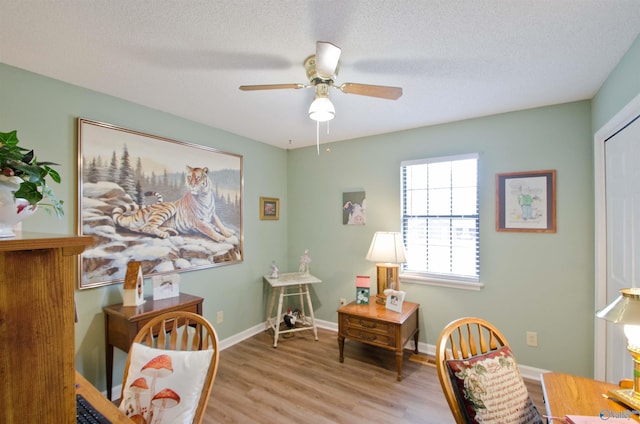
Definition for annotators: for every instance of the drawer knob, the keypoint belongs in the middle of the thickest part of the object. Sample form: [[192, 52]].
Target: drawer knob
[[367, 324]]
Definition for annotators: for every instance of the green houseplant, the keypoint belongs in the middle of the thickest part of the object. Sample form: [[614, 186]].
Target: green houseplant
[[26, 177]]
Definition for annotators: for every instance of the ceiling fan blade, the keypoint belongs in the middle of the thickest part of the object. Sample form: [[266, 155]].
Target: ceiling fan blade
[[327, 58], [381, 91], [271, 87]]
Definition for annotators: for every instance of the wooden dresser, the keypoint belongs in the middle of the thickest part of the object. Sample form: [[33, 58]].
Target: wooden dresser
[[376, 325], [37, 316]]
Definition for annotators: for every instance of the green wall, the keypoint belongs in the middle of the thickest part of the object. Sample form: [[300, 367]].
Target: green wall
[[45, 112], [619, 89], [533, 282]]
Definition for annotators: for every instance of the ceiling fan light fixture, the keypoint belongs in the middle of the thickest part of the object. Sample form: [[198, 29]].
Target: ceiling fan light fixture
[[322, 110]]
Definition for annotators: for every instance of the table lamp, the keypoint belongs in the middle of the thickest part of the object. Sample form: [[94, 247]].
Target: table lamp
[[387, 250], [626, 310]]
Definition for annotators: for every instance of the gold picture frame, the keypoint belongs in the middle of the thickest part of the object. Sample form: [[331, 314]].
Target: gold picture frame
[[269, 208], [526, 201], [122, 172]]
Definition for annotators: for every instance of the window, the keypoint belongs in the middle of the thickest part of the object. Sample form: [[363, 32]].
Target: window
[[441, 221]]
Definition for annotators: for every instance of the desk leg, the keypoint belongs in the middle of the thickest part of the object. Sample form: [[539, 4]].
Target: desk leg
[[415, 341], [313, 319], [276, 328], [399, 356], [108, 356], [341, 347]]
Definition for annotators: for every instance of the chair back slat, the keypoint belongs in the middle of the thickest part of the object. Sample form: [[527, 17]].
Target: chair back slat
[[493, 341], [484, 348], [473, 346], [462, 344]]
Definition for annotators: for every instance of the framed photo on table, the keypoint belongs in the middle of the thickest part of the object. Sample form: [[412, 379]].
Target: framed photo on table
[[526, 201], [395, 300], [269, 208]]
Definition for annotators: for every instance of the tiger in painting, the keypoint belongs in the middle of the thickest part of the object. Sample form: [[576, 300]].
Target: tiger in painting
[[192, 213]]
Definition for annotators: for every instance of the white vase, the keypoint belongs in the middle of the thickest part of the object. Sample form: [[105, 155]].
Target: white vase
[[12, 211]]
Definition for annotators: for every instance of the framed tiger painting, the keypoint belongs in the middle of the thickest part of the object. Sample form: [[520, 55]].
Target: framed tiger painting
[[171, 205]]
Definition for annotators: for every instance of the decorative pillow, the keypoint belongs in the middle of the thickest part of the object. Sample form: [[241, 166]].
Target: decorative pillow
[[164, 386], [491, 389]]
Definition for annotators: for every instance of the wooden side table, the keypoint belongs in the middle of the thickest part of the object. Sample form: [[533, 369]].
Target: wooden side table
[[122, 323], [376, 325]]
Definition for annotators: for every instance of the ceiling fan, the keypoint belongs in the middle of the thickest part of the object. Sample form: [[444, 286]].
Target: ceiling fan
[[322, 69]]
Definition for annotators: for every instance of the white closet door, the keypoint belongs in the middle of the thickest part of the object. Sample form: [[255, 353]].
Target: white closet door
[[622, 187]]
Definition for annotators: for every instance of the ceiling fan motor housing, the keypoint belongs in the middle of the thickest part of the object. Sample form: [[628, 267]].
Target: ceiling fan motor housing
[[313, 75]]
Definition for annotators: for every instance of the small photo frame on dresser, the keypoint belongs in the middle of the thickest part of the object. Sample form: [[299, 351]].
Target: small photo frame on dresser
[[395, 300], [165, 286]]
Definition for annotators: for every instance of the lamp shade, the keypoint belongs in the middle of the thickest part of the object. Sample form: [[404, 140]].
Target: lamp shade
[[625, 309], [322, 110], [386, 247]]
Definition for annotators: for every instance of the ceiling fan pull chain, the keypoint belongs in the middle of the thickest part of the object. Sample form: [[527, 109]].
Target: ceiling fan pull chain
[[318, 137]]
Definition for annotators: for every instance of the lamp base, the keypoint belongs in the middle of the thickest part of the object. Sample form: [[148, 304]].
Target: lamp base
[[387, 279], [626, 397]]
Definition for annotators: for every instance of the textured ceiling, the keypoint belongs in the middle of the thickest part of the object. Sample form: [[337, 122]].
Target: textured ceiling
[[454, 59]]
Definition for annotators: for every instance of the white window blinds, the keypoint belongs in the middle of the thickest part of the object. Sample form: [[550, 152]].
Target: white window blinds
[[441, 218]]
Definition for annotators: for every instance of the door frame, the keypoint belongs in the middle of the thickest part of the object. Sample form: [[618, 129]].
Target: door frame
[[615, 124]]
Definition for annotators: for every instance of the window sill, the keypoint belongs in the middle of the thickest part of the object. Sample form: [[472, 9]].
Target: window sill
[[441, 282]]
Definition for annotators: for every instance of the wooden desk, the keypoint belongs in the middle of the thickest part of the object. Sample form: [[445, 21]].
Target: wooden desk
[[279, 286], [98, 401], [122, 323], [566, 394], [376, 325]]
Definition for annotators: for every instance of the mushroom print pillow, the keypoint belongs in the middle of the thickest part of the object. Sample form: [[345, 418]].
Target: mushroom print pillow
[[164, 386]]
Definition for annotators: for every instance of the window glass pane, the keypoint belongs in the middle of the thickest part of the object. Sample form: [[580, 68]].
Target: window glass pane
[[464, 173], [440, 201], [439, 175], [417, 202], [464, 201]]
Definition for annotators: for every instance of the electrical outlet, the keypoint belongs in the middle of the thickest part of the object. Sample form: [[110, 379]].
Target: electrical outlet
[[532, 339], [343, 301], [220, 317]]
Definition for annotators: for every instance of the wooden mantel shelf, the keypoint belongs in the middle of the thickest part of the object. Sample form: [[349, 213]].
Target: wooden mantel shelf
[[29, 241]]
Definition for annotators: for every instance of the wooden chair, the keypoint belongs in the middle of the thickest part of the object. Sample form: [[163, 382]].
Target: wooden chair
[[170, 331], [463, 339]]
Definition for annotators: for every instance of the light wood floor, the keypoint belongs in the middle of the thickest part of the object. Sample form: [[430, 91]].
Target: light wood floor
[[302, 380]]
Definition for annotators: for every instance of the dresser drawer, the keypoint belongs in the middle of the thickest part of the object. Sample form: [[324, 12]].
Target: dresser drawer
[[368, 330], [366, 324], [379, 339]]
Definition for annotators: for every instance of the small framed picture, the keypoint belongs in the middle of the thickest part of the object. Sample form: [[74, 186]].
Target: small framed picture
[[165, 286], [395, 300], [269, 208]]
